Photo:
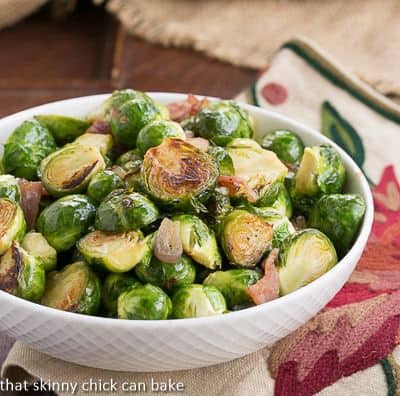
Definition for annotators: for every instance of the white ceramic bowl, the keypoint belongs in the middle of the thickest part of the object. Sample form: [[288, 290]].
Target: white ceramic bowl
[[185, 343]]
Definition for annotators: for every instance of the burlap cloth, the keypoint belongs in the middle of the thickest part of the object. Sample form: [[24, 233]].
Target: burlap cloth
[[350, 347]]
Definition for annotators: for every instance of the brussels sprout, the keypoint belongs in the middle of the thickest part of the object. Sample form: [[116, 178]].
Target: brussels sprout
[[64, 129], [165, 275], [114, 252], [25, 149], [102, 184], [131, 161], [114, 285], [304, 256], [178, 175], [260, 169], [218, 206], [222, 122], [64, 221], [21, 274], [223, 159], [193, 301], [146, 302], [127, 120], [282, 204], [124, 211], [36, 245], [339, 217], [12, 223], [321, 172], [70, 169], [76, 288], [156, 131], [285, 144], [199, 241], [9, 188], [104, 143], [245, 238], [163, 109], [233, 285]]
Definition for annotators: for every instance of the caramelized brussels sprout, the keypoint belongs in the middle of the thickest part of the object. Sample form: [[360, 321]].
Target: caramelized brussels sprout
[[70, 169], [223, 159], [165, 275], [64, 129], [245, 238], [146, 302], [21, 274], [222, 122], [233, 285], [193, 301], [339, 217], [218, 206], [285, 144], [76, 288], [9, 188], [25, 149], [36, 245], [104, 143], [131, 161], [304, 256], [199, 241], [178, 175], [260, 169], [114, 285], [103, 184], [114, 252], [124, 211], [321, 172], [156, 131], [12, 224], [64, 221]]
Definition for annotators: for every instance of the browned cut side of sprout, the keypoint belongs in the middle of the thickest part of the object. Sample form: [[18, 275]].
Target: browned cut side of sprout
[[168, 245], [267, 288], [201, 143], [31, 194]]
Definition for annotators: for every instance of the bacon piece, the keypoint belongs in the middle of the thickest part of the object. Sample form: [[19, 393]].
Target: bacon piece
[[31, 194], [201, 143], [100, 127], [237, 187], [178, 111], [267, 288]]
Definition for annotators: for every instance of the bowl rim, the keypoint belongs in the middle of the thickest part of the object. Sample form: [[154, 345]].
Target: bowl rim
[[246, 313]]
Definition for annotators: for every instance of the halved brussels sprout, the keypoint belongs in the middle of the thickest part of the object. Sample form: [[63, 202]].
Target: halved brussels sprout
[[131, 161], [70, 169], [21, 274], [218, 206], [194, 301], [165, 275], [12, 223], [199, 241], [304, 256], [285, 144], [64, 221], [103, 142], [76, 288], [245, 238], [223, 159], [123, 210], [156, 131], [103, 184], [9, 188], [36, 245], [146, 302], [114, 252], [321, 172], [178, 175], [25, 149], [64, 129], [233, 285], [339, 217], [114, 285], [222, 122], [260, 169]]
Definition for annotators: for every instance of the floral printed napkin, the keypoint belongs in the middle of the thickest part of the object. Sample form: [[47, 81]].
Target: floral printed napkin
[[350, 347]]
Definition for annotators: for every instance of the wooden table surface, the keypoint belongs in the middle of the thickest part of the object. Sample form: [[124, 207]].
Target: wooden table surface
[[88, 53]]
